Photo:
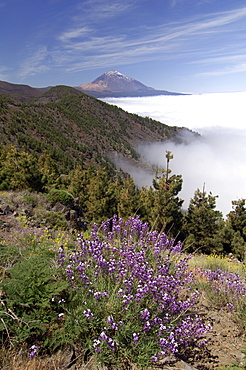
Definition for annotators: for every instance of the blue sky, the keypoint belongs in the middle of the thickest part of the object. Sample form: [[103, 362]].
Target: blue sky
[[177, 45]]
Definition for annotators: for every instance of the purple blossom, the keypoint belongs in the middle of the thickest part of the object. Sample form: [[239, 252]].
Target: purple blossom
[[61, 255], [135, 337], [34, 349], [136, 273], [112, 344], [231, 285], [87, 313], [96, 345], [103, 336]]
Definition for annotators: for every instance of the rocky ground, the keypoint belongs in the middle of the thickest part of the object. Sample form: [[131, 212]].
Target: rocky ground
[[225, 342]]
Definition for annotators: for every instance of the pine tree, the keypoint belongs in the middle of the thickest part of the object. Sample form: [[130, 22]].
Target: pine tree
[[203, 224], [101, 193], [234, 235], [49, 170], [19, 170], [127, 198], [237, 218], [79, 179], [146, 205], [164, 206]]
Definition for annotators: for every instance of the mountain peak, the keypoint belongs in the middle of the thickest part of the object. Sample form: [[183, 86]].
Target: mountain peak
[[114, 83], [115, 74]]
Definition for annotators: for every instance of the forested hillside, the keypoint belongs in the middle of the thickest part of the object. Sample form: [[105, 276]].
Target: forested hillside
[[74, 128]]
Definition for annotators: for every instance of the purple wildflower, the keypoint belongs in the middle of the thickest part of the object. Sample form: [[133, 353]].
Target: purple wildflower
[[87, 313], [34, 349], [127, 270]]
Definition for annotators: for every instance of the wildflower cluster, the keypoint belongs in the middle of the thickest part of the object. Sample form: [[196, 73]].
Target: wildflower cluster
[[217, 262], [134, 291], [228, 286]]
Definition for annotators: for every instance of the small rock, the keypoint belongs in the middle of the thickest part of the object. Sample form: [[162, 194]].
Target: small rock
[[181, 365], [5, 210]]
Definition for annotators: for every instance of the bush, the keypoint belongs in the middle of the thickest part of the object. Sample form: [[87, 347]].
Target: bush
[[124, 295], [27, 312], [54, 220], [130, 298], [225, 289], [60, 196]]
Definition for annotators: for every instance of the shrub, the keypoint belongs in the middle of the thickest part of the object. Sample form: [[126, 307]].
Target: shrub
[[123, 294], [214, 262], [27, 313], [227, 290], [130, 298], [55, 220], [60, 196]]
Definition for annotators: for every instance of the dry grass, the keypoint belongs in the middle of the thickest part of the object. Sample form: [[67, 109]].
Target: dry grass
[[214, 262], [19, 360]]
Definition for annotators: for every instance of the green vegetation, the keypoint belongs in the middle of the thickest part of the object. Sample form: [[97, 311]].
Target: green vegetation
[[55, 181], [203, 224], [102, 194], [75, 129], [60, 196], [109, 294]]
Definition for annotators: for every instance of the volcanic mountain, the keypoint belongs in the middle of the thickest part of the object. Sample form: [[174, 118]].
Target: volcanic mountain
[[115, 84]]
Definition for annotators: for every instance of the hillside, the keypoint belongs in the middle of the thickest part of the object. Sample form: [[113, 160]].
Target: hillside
[[74, 127], [20, 92]]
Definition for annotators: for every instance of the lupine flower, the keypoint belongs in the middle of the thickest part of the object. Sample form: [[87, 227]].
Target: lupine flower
[[103, 336], [34, 349], [231, 285], [135, 337], [87, 313], [144, 274], [96, 345]]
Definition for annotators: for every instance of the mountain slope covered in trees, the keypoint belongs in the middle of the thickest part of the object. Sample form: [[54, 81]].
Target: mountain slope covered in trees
[[75, 128]]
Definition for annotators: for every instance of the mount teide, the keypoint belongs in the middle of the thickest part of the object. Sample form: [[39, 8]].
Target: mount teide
[[115, 84]]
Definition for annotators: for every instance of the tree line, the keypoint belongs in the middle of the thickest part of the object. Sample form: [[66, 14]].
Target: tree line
[[103, 194]]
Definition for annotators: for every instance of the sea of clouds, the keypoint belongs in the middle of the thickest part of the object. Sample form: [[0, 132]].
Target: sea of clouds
[[216, 158]]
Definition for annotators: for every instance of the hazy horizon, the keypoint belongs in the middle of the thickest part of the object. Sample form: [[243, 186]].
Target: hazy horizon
[[217, 158]]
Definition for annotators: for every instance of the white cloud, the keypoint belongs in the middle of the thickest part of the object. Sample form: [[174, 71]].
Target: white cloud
[[162, 41], [74, 33], [36, 63], [217, 158], [192, 111], [173, 3], [236, 68], [94, 11], [4, 72], [93, 40]]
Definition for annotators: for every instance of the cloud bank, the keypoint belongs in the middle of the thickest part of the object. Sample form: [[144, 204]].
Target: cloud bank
[[217, 158]]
